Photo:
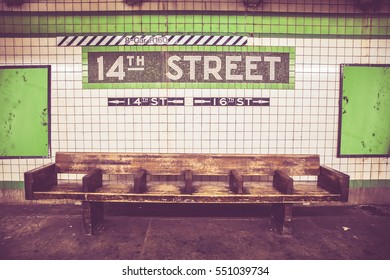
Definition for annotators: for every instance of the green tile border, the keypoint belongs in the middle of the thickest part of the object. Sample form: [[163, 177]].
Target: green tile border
[[249, 25], [369, 183], [11, 185], [290, 50]]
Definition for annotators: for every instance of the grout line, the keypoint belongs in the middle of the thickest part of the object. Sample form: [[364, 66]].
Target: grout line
[[145, 240]]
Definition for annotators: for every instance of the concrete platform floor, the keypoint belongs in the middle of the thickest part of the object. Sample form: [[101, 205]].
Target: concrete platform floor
[[194, 232]]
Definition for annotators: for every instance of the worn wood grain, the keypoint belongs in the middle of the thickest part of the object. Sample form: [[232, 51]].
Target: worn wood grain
[[200, 164], [195, 198]]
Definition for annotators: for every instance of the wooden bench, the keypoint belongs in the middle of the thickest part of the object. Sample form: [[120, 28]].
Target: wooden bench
[[194, 178]]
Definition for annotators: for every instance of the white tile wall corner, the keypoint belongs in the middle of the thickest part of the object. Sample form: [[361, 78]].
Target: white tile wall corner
[[304, 120]]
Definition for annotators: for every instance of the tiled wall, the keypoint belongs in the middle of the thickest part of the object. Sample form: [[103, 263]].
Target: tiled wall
[[300, 120], [267, 6]]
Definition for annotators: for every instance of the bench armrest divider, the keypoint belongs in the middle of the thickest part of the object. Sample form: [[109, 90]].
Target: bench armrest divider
[[282, 182], [188, 178], [334, 181], [236, 182], [92, 180], [140, 181], [40, 179]]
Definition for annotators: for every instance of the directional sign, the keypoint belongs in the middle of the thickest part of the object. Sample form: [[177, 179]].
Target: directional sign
[[145, 101], [230, 101]]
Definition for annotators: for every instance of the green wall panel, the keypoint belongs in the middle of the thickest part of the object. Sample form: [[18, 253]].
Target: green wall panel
[[365, 111], [24, 111]]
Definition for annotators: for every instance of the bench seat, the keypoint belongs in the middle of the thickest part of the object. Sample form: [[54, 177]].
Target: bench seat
[[205, 192]]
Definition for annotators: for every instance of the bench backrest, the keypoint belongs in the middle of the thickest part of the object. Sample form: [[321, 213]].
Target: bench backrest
[[176, 164]]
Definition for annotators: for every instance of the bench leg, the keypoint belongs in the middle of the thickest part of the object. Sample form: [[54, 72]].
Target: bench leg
[[282, 217], [93, 213]]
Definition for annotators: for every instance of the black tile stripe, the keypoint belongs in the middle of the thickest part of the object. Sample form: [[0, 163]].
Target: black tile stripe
[[90, 42], [120, 40], [109, 41], [216, 42], [238, 40], [71, 41], [197, 41], [63, 41], [227, 41], [170, 38], [82, 40], [101, 40], [208, 40], [189, 39], [178, 40]]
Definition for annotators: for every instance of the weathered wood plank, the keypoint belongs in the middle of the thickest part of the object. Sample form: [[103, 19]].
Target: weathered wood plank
[[153, 198], [140, 181], [200, 164], [39, 179], [334, 181], [200, 187], [188, 182], [236, 182], [92, 181], [283, 183]]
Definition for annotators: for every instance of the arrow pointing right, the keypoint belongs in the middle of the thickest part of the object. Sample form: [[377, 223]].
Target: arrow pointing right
[[201, 101]]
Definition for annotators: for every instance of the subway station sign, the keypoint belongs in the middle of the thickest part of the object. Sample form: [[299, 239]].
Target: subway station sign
[[137, 68]]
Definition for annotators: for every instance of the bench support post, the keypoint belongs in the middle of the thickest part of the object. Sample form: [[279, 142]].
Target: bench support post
[[282, 217], [236, 182], [93, 213], [188, 179], [140, 181]]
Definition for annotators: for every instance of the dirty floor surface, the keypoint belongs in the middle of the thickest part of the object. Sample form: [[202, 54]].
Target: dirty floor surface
[[194, 232]]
